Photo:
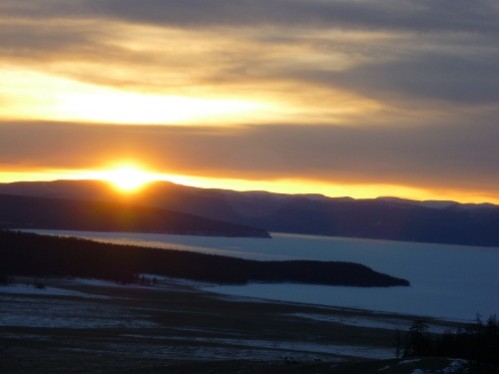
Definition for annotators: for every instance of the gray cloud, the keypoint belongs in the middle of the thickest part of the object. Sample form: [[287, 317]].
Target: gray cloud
[[32, 42], [411, 15], [389, 14], [428, 76], [438, 76]]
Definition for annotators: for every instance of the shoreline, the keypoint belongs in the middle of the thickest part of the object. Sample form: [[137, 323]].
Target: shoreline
[[140, 327]]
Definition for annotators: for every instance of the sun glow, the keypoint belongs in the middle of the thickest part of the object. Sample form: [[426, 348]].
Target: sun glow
[[130, 178], [127, 178], [43, 96], [136, 108]]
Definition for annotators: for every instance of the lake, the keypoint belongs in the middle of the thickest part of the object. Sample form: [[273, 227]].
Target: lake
[[447, 281]]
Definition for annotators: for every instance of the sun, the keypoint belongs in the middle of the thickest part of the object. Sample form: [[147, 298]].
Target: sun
[[128, 178]]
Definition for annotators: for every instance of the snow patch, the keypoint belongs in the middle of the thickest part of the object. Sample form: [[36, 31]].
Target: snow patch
[[65, 313], [23, 289], [455, 366], [162, 283], [419, 371], [406, 362]]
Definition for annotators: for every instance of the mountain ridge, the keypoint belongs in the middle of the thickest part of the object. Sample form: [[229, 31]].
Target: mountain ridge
[[384, 218]]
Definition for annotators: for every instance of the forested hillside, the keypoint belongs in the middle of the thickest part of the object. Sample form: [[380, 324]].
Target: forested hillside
[[36, 255]]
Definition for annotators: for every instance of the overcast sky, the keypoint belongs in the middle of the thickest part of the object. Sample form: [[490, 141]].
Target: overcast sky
[[402, 95]]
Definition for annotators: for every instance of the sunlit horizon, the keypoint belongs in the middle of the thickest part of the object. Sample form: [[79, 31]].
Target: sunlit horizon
[[127, 178], [132, 178]]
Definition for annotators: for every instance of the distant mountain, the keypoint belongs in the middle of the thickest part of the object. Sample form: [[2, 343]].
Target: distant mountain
[[382, 218], [28, 212]]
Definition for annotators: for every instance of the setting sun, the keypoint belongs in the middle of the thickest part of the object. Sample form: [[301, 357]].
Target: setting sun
[[127, 178]]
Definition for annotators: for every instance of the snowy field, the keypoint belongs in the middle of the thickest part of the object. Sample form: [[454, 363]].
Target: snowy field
[[174, 321], [447, 281], [23, 305]]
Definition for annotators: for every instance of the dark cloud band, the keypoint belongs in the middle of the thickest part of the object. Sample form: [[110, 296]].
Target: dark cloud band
[[417, 156]]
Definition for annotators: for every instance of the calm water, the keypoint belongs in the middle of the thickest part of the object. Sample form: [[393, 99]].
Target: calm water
[[447, 281]]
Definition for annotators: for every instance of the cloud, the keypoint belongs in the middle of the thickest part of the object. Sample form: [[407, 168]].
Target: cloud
[[461, 157], [411, 50], [39, 37], [388, 14], [410, 15], [430, 76]]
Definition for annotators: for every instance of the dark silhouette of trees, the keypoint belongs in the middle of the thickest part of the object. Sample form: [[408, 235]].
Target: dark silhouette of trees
[[36, 255], [478, 343], [398, 343], [419, 340]]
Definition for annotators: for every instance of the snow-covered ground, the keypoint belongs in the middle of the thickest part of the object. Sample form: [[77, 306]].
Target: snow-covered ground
[[59, 307], [56, 307], [64, 313], [28, 289], [24, 305]]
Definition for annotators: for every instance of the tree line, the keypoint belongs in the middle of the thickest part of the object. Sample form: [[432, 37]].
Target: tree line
[[478, 343], [36, 255]]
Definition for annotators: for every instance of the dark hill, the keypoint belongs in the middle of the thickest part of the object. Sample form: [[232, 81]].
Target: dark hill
[[45, 213], [384, 218]]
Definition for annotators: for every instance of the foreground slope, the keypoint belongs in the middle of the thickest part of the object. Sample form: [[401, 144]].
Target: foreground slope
[[175, 328]]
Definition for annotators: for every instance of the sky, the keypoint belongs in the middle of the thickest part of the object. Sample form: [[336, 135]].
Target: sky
[[353, 98]]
